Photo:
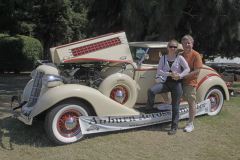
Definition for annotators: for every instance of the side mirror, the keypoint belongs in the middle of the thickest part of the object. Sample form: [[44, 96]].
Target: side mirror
[[140, 53], [146, 56]]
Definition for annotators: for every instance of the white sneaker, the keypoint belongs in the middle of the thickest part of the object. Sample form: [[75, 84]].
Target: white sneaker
[[189, 127]]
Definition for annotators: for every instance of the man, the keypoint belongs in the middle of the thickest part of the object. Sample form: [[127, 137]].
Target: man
[[194, 61]]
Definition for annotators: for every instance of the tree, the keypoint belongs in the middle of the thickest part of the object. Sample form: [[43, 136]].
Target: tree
[[16, 17], [105, 16], [214, 25], [153, 19], [60, 22]]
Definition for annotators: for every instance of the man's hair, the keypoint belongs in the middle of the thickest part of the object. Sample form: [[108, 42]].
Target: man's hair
[[187, 37]]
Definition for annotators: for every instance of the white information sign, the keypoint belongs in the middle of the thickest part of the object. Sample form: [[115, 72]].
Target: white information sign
[[96, 124]]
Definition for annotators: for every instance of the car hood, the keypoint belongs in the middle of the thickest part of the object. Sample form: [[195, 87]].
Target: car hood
[[111, 47]]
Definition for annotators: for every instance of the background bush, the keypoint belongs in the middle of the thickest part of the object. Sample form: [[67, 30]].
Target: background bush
[[19, 53]]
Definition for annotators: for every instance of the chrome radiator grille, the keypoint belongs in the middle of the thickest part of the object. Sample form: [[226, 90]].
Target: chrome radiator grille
[[36, 89]]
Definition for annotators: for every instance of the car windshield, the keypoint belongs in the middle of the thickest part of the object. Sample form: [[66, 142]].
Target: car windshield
[[154, 54]]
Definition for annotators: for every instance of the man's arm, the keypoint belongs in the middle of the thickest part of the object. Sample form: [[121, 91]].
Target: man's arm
[[193, 74], [197, 66]]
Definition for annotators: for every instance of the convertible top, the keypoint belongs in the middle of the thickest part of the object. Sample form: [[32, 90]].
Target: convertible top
[[152, 44], [149, 44]]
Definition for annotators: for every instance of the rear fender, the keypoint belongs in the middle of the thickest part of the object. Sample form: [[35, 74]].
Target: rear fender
[[208, 82], [101, 104]]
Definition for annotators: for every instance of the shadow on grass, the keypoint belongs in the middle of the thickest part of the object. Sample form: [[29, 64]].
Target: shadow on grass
[[12, 131], [15, 132]]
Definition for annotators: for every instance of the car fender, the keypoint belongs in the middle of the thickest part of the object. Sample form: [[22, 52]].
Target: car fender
[[208, 82], [102, 105]]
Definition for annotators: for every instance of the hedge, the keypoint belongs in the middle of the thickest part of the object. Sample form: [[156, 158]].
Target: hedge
[[19, 53]]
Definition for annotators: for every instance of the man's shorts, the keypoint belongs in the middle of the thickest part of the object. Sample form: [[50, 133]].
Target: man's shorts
[[189, 93]]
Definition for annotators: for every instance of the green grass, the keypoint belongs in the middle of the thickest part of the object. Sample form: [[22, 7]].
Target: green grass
[[236, 85], [214, 138]]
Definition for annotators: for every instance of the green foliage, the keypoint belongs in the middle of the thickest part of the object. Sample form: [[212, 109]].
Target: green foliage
[[153, 19], [214, 24], [60, 22], [19, 53], [16, 17]]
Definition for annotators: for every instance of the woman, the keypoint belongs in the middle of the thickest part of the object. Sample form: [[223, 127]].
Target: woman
[[171, 69]]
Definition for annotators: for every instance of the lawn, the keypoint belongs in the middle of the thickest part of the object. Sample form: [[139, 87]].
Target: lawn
[[215, 137]]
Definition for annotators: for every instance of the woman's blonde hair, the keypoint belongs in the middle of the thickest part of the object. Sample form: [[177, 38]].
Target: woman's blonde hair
[[173, 41]]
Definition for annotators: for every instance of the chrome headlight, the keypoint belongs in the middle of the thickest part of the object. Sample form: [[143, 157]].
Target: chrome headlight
[[50, 80]]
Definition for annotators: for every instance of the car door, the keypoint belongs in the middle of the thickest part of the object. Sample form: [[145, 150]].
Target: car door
[[145, 77]]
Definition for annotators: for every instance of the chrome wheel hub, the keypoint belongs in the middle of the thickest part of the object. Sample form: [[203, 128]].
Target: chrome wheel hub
[[119, 94], [70, 123], [213, 101]]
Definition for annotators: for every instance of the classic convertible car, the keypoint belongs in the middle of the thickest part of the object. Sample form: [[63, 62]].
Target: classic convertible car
[[101, 76]]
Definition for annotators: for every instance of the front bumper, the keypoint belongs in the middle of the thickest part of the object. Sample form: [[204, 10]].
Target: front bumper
[[16, 108]]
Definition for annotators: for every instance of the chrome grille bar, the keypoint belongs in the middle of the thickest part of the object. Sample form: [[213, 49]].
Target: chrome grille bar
[[36, 89]]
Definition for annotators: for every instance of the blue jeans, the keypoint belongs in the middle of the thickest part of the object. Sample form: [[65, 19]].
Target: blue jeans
[[176, 92]]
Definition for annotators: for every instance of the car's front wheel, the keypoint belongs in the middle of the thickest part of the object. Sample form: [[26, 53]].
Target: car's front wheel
[[62, 124], [216, 98]]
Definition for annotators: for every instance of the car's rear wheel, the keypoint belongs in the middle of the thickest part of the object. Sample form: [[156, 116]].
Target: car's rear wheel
[[216, 98], [62, 124]]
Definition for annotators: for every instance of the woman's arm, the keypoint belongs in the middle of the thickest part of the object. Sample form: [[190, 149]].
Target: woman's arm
[[161, 64], [183, 63]]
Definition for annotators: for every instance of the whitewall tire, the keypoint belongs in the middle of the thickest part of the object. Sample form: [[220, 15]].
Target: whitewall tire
[[62, 124], [216, 99]]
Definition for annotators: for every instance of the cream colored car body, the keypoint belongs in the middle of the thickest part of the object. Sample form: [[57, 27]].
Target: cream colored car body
[[142, 77], [207, 79], [103, 76]]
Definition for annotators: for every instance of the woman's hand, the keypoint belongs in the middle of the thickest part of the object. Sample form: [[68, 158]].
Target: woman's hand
[[175, 76]]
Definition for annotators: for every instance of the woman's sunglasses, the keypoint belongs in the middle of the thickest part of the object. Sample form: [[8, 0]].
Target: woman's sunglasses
[[172, 46]]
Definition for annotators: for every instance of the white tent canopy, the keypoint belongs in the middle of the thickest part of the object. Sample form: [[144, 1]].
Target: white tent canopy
[[224, 60]]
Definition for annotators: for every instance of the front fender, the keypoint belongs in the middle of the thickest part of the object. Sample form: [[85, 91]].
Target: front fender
[[208, 82], [101, 104]]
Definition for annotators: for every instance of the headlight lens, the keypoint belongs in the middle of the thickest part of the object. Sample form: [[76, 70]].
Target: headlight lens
[[52, 80]]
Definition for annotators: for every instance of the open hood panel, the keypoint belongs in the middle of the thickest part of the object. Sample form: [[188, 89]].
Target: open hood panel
[[109, 48]]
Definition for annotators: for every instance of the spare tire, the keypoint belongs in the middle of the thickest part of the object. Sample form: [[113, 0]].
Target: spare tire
[[121, 88]]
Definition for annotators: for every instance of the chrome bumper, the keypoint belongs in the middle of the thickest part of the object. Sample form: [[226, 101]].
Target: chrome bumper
[[25, 119], [16, 111]]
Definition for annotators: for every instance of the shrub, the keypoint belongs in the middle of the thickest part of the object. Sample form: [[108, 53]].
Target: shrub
[[19, 53]]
